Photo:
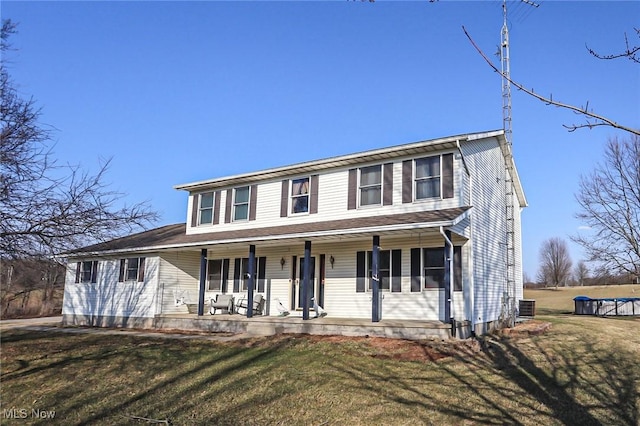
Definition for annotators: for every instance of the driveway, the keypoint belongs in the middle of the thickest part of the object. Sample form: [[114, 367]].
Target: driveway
[[29, 322]]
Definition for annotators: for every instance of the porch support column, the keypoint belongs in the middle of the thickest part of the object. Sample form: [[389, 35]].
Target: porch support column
[[448, 250], [306, 281], [376, 299], [250, 280], [203, 281]]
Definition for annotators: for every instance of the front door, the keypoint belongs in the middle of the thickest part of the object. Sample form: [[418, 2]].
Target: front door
[[300, 279]]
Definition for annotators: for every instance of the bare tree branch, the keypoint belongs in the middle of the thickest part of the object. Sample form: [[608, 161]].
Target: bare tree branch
[[631, 52], [609, 199], [47, 208], [596, 119]]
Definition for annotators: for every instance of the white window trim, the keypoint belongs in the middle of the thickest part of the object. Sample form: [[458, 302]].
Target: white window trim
[[234, 204], [291, 196], [200, 208], [381, 185], [368, 271], [415, 180]]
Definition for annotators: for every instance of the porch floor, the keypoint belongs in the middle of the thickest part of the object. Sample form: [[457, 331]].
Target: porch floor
[[271, 325]]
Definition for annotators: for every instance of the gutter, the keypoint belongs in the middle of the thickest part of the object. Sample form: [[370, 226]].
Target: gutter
[[451, 285]]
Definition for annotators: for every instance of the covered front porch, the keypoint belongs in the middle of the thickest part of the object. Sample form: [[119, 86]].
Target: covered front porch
[[267, 326]]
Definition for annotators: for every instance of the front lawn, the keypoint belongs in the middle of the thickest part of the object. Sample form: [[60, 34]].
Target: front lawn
[[582, 371]]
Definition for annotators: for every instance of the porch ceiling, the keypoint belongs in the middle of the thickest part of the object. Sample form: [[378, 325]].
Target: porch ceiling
[[175, 237]]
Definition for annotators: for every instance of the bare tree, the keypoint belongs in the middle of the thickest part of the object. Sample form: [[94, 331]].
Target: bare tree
[[555, 262], [581, 272], [609, 199], [592, 119], [47, 208]]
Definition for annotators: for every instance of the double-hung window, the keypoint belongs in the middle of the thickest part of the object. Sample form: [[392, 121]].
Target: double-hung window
[[371, 185], [214, 274], [384, 270], [241, 203], [427, 177], [433, 264], [241, 274], [428, 269], [300, 195], [86, 272], [206, 208], [131, 269]]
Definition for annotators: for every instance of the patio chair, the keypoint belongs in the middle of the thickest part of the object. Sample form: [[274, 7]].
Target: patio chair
[[222, 302], [258, 303]]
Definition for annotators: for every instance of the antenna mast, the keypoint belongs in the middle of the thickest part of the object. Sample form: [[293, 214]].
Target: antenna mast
[[510, 292], [506, 75]]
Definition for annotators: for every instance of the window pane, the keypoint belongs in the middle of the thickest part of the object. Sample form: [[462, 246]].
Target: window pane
[[428, 188], [241, 212], [132, 269], [300, 186], [300, 204], [370, 175], [385, 282], [433, 278], [427, 167], [215, 274], [206, 200], [242, 195], [206, 215], [434, 257], [369, 196], [86, 272]]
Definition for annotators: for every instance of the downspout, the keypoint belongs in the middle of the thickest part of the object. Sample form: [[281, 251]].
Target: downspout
[[472, 297], [451, 279]]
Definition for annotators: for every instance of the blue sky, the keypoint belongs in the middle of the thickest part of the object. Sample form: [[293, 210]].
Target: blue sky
[[177, 92]]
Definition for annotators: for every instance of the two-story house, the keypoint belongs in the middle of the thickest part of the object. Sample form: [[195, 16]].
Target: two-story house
[[427, 231]]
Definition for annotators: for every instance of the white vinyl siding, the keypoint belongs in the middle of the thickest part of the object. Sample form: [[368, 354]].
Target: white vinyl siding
[[487, 168], [108, 297]]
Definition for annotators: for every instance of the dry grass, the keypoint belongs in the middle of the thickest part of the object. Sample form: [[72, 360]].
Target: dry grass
[[582, 371], [552, 301]]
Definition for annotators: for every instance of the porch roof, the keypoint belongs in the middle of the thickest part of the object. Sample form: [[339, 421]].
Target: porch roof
[[175, 236]]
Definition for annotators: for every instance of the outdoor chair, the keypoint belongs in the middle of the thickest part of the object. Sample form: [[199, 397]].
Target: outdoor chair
[[221, 302], [258, 304]]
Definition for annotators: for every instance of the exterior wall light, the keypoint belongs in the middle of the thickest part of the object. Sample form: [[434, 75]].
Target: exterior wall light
[[282, 262], [332, 260]]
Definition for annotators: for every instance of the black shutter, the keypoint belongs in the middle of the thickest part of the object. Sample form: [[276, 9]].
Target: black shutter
[[78, 271], [94, 271], [253, 198], [352, 190], [313, 202], [227, 207], [284, 198], [407, 181], [387, 190], [415, 269], [216, 208], [236, 275], [141, 270], [262, 264], [447, 176], [225, 275], [396, 270], [122, 265], [195, 199], [360, 272], [457, 268]]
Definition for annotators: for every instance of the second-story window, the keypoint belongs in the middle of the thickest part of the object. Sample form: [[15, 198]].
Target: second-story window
[[206, 208], [427, 178], [300, 195], [241, 203], [371, 185]]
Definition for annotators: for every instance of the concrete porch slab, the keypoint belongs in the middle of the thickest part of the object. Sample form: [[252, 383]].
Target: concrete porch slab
[[266, 326]]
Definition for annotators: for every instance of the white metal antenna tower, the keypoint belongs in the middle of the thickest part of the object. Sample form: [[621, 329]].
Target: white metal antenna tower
[[509, 294]]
